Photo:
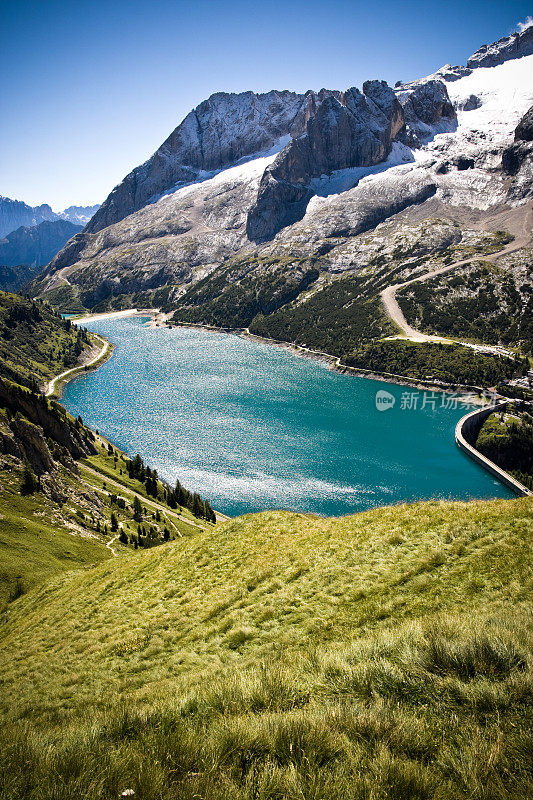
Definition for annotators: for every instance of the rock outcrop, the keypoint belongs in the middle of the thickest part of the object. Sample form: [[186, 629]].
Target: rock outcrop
[[517, 159], [219, 132], [516, 45], [41, 432], [352, 129], [425, 104]]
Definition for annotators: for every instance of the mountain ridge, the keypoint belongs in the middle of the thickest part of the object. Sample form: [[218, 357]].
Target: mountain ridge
[[350, 165], [16, 213]]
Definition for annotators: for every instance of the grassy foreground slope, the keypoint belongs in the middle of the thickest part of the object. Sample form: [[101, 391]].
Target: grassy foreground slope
[[383, 655]]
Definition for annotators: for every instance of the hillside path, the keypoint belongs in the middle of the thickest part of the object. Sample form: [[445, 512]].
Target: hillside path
[[109, 545], [388, 295], [144, 500], [50, 388]]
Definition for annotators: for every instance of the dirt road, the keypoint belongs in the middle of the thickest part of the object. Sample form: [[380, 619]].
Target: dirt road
[[388, 295]]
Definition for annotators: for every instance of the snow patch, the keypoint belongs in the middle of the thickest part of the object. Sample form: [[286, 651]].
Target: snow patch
[[247, 168], [344, 179], [506, 93]]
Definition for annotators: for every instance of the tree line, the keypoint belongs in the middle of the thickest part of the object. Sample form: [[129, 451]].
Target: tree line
[[175, 497]]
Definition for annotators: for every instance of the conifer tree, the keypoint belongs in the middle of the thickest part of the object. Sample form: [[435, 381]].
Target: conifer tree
[[30, 482], [137, 509]]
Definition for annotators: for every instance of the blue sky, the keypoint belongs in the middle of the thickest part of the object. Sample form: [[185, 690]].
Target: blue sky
[[90, 90]]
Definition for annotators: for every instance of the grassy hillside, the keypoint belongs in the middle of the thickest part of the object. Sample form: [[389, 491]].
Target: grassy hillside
[[68, 498], [38, 541], [35, 343], [383, 655]]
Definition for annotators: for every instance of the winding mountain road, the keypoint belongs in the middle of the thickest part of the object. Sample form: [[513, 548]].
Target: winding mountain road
[[388, 295]]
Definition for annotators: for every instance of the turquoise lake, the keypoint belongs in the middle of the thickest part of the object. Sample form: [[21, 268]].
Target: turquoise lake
[[251, 426]]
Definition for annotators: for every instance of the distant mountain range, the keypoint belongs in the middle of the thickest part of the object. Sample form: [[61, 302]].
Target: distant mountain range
[[31, 236], [15, 213], [25, 251]]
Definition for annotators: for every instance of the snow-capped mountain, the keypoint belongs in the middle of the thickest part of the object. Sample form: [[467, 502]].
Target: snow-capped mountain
[[286, 173], [78, 215]]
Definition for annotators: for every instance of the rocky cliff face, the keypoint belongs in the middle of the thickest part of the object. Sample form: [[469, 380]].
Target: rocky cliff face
[[352, 129], [42, 432], [517, 159], [516, 45], [219, 132], [425, 104]]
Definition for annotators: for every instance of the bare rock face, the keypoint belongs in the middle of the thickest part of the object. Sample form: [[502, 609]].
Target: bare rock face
[[517, 160], [470, 104], [514, 46], [450, 74], [219, 132], [353, 129], [524, 129], [424, 105]]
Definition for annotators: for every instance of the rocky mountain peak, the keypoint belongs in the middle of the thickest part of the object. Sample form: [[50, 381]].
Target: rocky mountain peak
[[516, 45], [14, 213], [424, 104], [348, 129], [220, 131]]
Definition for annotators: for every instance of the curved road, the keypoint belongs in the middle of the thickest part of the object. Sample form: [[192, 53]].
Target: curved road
[[388, 295], [50, 388]]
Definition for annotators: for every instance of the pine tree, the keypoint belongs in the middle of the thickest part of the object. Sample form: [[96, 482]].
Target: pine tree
[[197, 506], [30, 482], [209, 513], [137, 509], [114, 522]]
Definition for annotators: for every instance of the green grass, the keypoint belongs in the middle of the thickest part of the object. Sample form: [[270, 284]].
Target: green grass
[[36, 544], [65, 298], [383, 655], [107, 466]]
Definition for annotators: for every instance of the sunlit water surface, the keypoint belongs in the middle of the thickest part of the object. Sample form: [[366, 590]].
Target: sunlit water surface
[[252, 426]]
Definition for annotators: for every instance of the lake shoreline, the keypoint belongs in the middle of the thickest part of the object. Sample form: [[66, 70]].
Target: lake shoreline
[[159, 319], [326, 425], [334, 362]]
